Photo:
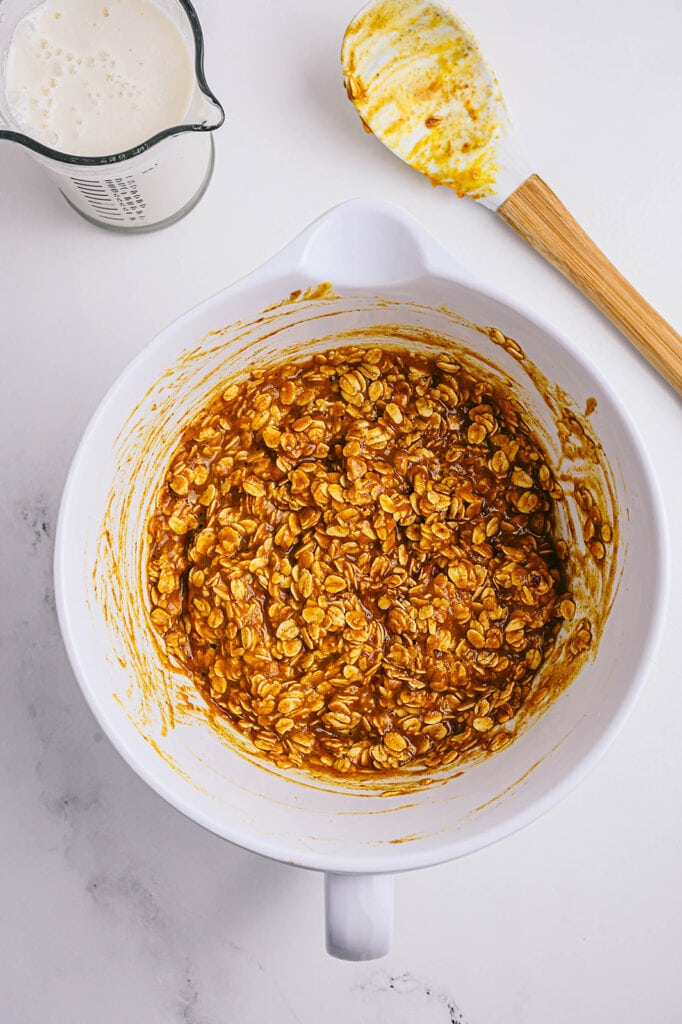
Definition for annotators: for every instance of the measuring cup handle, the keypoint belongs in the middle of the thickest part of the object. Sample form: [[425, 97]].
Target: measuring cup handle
[[359, 915]]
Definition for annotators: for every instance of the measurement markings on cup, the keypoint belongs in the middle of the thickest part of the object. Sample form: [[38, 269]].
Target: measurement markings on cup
[[100, 199]]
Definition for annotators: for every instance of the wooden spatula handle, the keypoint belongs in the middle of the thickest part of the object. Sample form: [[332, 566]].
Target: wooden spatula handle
[[539, 216]]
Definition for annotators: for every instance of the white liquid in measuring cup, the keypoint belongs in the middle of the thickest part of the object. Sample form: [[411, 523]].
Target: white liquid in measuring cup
[[97, 77]]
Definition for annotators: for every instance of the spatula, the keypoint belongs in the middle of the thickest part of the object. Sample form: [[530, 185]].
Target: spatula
[[420, 84]]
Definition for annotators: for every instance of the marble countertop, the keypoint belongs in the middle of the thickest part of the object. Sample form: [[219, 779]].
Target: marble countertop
[[115, 908]]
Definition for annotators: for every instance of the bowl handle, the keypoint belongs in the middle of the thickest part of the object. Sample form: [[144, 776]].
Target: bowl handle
[[361, 243], [359, 915]]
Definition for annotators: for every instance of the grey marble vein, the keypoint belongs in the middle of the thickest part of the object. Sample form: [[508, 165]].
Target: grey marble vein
[[387, 988]]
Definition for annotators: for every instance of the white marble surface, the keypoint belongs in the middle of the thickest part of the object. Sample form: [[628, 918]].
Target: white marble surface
[[114, 907]]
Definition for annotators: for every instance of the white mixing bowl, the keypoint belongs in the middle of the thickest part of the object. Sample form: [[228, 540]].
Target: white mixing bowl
[[383, 268]]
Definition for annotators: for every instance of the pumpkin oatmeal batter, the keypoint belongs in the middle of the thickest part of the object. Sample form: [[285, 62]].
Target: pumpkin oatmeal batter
[[355, 559]]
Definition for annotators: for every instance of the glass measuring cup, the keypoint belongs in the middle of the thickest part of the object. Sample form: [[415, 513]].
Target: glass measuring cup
[[149, 186]]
